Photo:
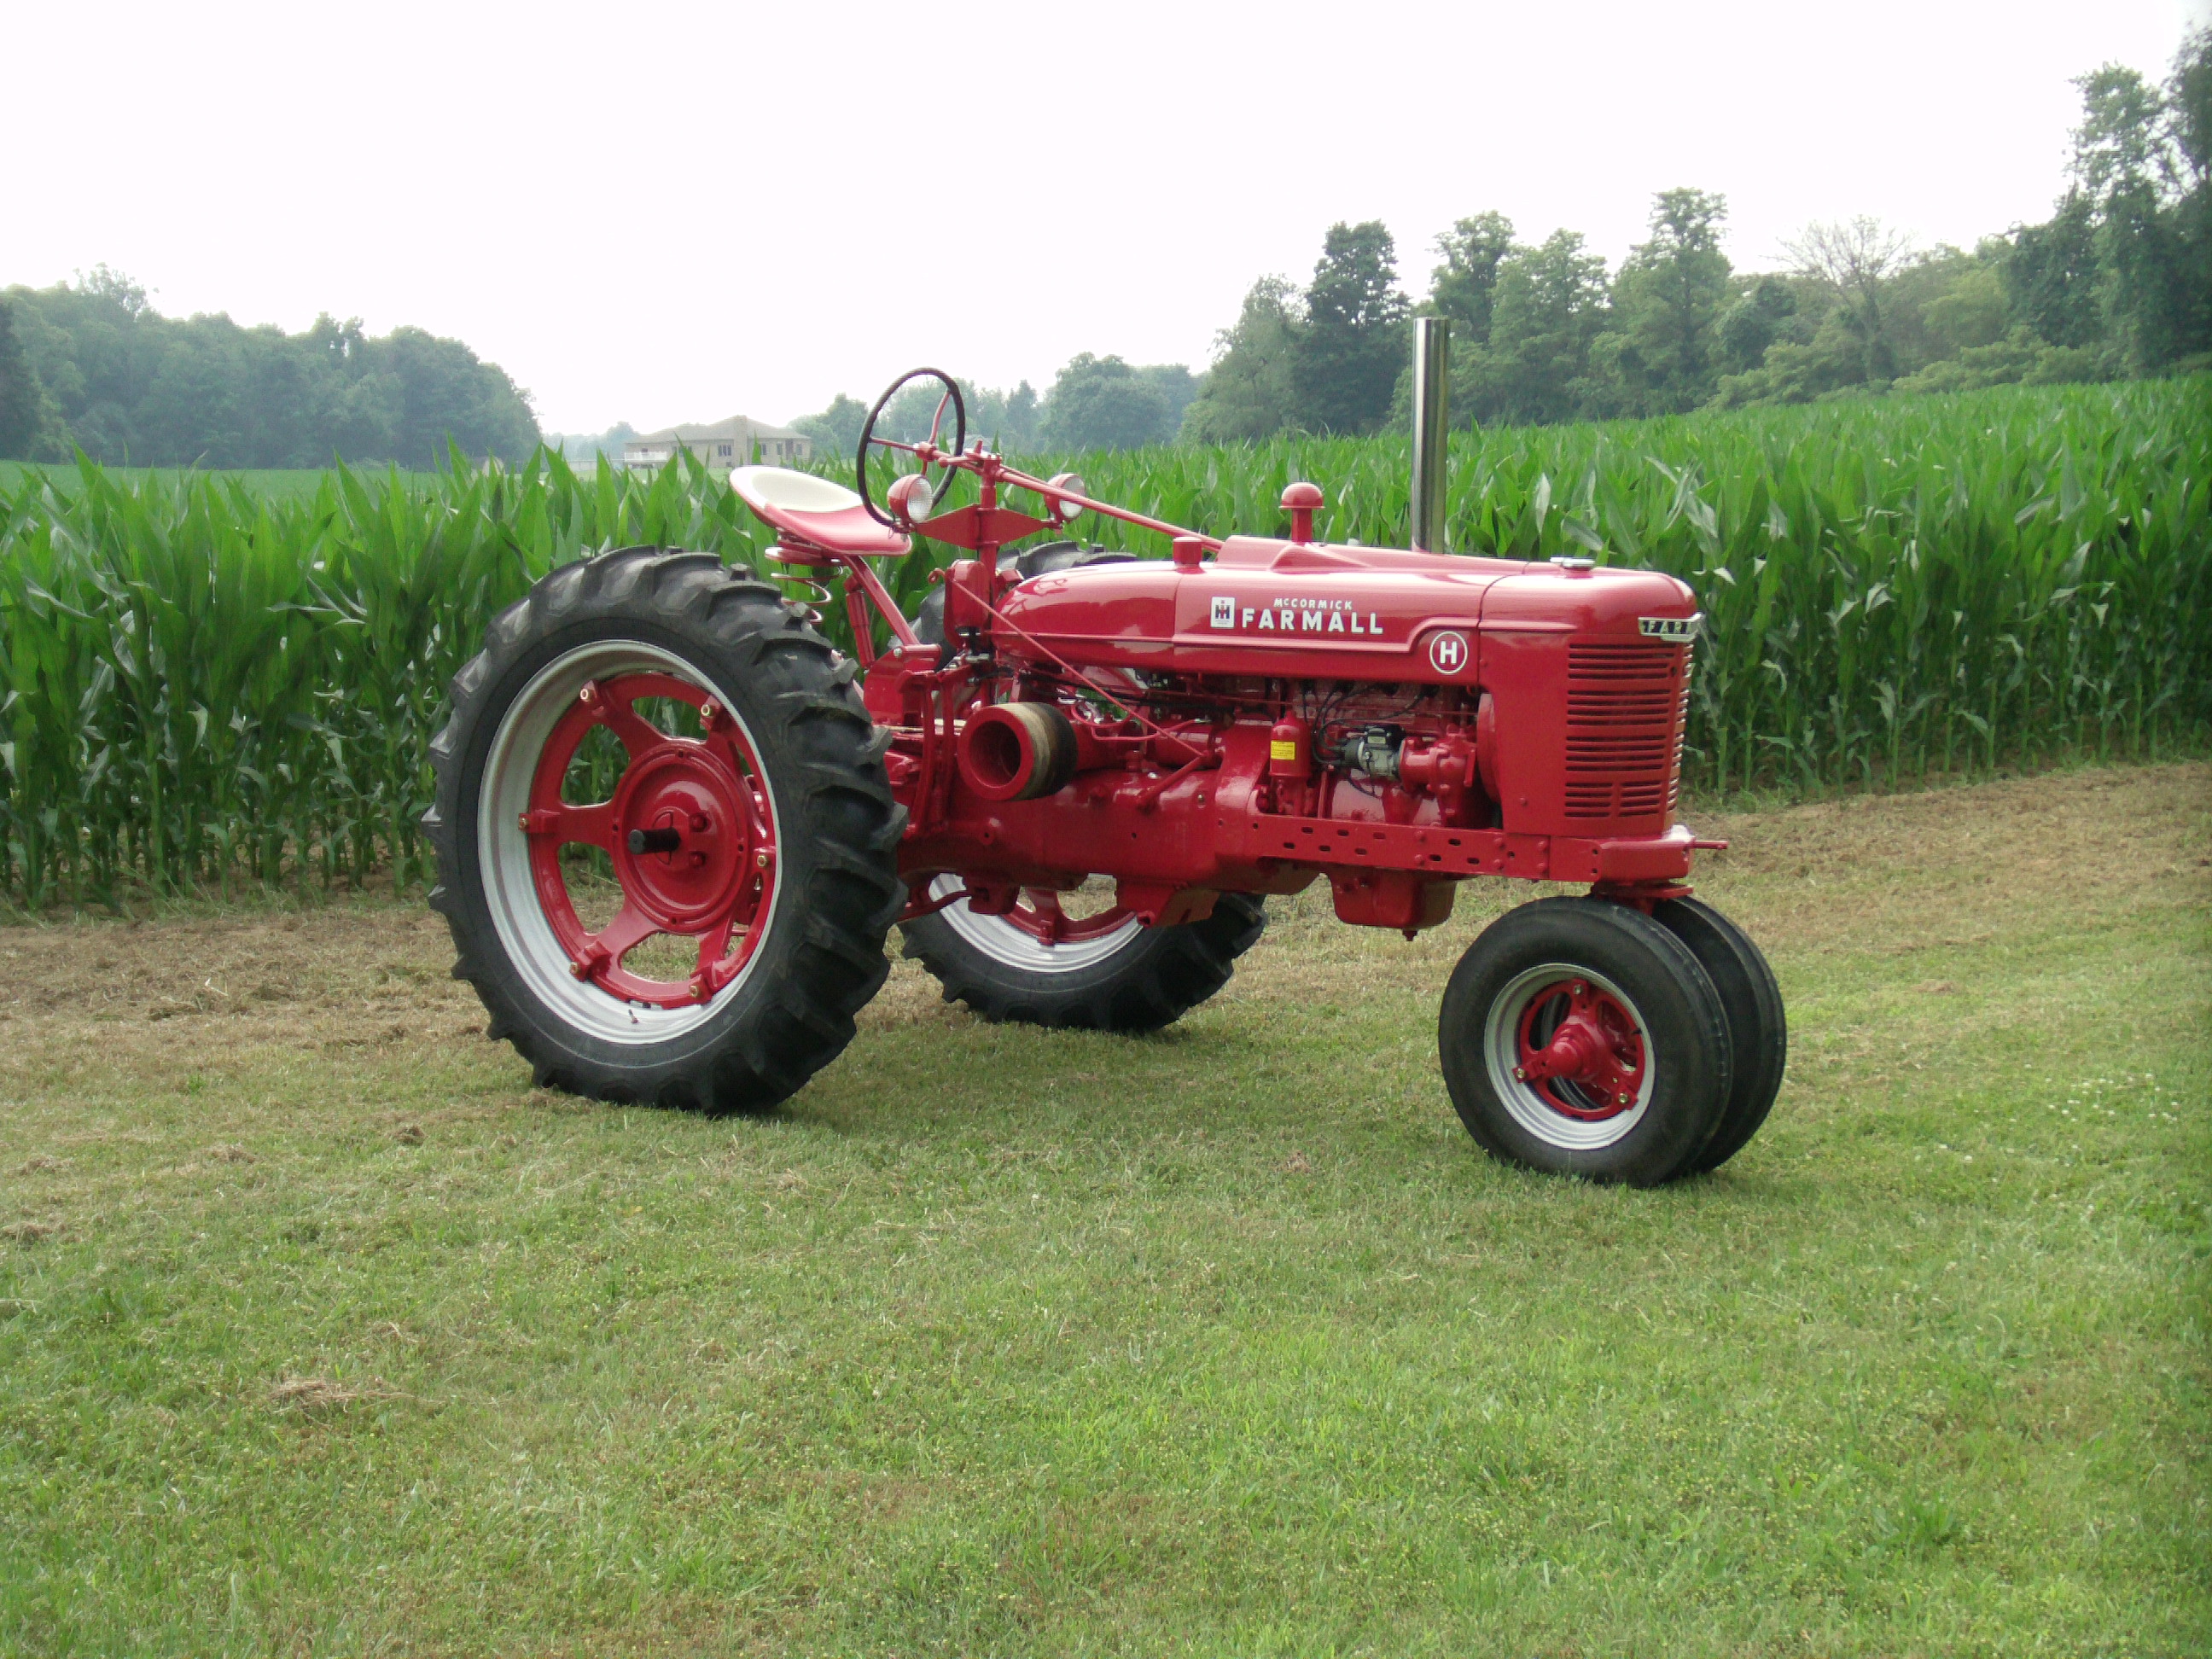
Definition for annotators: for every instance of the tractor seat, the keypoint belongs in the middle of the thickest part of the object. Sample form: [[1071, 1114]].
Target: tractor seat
[[814, 511]]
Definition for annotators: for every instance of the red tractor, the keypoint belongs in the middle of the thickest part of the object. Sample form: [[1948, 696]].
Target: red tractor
[[1073, 779]]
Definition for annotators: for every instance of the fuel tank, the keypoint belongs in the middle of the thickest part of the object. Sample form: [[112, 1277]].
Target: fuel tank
[[1314, 611]]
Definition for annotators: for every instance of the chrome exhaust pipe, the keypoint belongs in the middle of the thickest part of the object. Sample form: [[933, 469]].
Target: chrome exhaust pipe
[[1431, 430]]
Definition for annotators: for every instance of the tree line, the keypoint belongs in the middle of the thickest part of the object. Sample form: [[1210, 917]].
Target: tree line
[[91, 365], [1093, 403], [2117, 283]]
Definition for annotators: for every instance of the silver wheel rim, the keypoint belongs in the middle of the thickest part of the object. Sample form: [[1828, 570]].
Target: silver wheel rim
[[1501, 1048], [503, 851], [1013, 947]]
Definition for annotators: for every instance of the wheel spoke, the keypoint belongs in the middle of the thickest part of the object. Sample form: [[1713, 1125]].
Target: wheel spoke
[[1051, 924], [636, 734], [714, 944], [593, 826], [604, 949], [1615, 1084]]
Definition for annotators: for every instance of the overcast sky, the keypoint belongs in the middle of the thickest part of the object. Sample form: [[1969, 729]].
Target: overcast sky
[[681, 213]]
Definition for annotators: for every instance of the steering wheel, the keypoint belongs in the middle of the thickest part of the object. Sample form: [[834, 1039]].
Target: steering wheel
[[868, 432]]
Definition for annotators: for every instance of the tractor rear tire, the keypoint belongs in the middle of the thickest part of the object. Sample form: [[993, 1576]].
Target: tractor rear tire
[[1138, 979], [792, 834], [1758, 1031], [1581, 1037]]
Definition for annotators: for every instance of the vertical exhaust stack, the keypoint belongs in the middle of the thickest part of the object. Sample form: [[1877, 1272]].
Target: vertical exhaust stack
[[1431, 430]]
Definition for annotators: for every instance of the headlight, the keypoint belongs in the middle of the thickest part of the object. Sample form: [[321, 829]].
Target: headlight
[[1066, 511], [911, 498]]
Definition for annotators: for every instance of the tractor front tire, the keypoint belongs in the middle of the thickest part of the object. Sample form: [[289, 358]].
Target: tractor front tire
[[1125, 978], [755, 835], [1581, 1037], [1758, 1032]]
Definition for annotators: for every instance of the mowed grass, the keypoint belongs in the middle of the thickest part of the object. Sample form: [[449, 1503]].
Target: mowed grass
[[322, 1332]]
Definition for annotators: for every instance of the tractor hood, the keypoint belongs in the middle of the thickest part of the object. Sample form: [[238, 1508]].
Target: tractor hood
[[1314, 611]]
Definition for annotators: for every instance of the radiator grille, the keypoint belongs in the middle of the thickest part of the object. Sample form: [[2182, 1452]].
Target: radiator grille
[[1627, 702]]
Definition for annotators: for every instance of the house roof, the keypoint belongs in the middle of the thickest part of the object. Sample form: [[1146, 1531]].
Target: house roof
[[737, 426]]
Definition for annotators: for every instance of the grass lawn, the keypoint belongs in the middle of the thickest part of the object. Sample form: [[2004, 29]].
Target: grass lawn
[[321, 1331]]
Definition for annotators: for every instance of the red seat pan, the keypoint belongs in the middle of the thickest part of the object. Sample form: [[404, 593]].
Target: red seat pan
[[813, 510]]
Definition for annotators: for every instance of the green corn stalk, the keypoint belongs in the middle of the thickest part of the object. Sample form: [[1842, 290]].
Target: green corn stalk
[[203, 682]]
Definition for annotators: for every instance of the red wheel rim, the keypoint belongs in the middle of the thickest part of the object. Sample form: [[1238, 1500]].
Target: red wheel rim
[[1580, 1050], [1039, 914], [690, 829]]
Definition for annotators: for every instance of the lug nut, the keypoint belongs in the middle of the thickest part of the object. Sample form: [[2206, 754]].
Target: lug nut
[[588, 693], [698, 824], [709, 712], [761, 858]]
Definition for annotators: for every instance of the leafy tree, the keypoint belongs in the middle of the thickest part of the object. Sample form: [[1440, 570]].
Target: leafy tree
[[1853, 259], [1549, 310], [1017, 427], [26, 415], [2050, 276], [1667, 304], [1248, 393], [587, 446], [1464, 287], [1754, 322], [2130, 161], [1103, 403], [1177, 385], [1346, 360], [130, 383], [836, 429]]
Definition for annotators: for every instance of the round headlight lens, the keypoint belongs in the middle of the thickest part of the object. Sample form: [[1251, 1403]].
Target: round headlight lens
[[1066, 511], [911, 497]]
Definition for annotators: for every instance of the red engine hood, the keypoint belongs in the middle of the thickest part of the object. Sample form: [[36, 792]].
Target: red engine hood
[[1324, 611]]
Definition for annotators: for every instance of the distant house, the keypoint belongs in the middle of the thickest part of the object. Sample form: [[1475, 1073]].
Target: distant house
[[734, 442]]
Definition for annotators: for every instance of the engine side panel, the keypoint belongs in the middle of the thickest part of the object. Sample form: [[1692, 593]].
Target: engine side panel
[[1583, 678]]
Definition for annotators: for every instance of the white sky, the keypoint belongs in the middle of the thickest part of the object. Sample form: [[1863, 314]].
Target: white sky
[[679, 213]]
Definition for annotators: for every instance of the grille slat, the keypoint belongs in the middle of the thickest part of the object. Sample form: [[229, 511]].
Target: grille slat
[[1627, 701]]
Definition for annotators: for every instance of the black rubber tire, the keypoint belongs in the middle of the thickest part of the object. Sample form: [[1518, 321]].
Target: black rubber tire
[[1758, 1032], [1685, 1026], [1155, 979], [838, 887], [1039, 561]]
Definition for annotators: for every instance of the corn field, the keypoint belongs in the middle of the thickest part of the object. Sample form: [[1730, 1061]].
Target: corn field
[[202, 687]]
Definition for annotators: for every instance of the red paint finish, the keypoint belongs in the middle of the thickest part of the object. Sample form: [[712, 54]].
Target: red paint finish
[[687, 827], [1285, 710], [1581, 1050]]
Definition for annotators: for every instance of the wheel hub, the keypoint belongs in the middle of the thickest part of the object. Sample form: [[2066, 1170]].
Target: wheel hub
[[687, 829], [1581, 1050], [683, 847]]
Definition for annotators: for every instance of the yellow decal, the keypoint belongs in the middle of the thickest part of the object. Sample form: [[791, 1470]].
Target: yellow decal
[[1283, 748]]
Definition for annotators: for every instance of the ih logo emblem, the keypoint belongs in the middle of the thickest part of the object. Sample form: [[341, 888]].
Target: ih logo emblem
[[1447, 652], [1224, 611]]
